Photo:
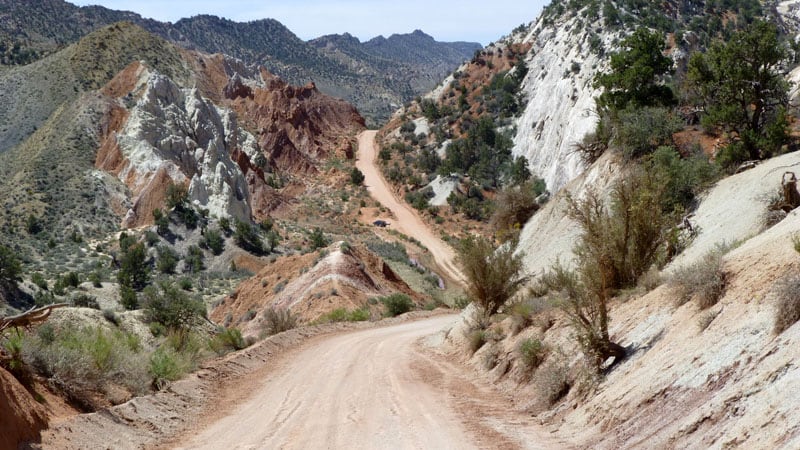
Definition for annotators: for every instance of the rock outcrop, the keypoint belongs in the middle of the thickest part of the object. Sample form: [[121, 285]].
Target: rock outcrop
[[21, 418]]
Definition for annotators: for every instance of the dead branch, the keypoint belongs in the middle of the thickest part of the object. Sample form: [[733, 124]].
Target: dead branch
[[29, 317]]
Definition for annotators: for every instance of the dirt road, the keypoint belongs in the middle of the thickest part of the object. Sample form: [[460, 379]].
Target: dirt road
[[369, 389], [406, 219]]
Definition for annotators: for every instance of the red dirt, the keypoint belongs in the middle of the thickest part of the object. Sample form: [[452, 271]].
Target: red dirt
[[21, 418]]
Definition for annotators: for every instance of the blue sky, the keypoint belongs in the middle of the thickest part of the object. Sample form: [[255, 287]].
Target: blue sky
[[481, 21]]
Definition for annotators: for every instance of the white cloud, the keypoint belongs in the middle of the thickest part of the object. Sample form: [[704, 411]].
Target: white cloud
[[450, 20]]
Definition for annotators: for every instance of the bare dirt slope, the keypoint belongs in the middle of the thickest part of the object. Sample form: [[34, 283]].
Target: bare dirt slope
[[405, 219], [375, 388]]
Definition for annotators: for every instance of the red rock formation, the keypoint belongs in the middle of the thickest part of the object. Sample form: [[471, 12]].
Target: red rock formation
[[21, 417]]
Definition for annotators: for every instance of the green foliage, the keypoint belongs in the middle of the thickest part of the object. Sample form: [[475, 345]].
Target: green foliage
[[743, 89], [167, 259], [393, 251], [617, 245], [75, 356], [10, 267], [641, 130], [167, 365], [636, 72], [213, 240], [39, 281], [177, 196], [356, 177], [33, 225], [485, 154], [317, 239], [85, 301], [161, 221], [96, 279], [172, 307], [246, 236], [493, 275], [193, 261], [396, 304], [128, 298], [134, 270], [227, 340], [682, 178], [225, 226], [345, 315], [531, 353]]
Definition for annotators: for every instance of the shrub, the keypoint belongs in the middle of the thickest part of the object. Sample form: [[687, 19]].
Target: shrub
[[531, 353], [493, 275], [356, 177], [704, 281], [177, 196], [246, 236], [212, 240], [193, 261], [128, 298], [518, 205], [161, 221], [96, 279], [172, 307], [76, 357], [227, 340], [134, 270], [642, 130], [71, 279], [167, 365], [185, 283], [476, 339], [278, 320], [167, 260], [343, 315], [397, 304], [317, 239], [393, 251], [39, 281], [85, 301], [788, 308]]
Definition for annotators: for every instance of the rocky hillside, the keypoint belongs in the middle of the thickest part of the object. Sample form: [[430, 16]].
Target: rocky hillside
[[711, 326], [125, 123], [375, 76]]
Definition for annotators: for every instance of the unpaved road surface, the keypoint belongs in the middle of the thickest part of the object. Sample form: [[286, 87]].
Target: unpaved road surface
[[406, 219], [370, 389]]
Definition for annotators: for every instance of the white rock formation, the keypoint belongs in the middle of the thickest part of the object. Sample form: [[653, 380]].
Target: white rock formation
[[442, 187], [177, 131], [560, 97]]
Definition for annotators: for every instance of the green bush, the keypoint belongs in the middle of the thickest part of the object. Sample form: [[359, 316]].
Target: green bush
[[493, 274], [345, 315], [193, 261], [167, 365], [172, 307], [397, 304], [167, 259], [213, 240], [85, 301], [640, 131], [76, 356], [226, 340], [317, 239], [38, 280], [128, 298], [246, 236], [356, 177], [531, 353]]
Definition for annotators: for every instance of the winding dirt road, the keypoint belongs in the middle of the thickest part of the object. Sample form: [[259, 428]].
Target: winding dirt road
[[371, 389], [406, 219]]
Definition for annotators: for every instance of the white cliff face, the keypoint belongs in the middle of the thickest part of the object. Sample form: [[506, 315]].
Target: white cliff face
[[560, 98], [176, 131]]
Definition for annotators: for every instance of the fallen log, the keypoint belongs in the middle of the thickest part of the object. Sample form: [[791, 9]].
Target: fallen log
[[30, 317]]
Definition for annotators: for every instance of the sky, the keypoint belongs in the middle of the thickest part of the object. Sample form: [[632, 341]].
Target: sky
[[481, 21]]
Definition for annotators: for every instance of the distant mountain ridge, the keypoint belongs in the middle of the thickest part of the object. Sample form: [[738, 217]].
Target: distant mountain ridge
[[376, 76]]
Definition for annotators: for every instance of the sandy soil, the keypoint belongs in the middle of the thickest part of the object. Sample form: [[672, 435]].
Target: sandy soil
[[406, 220], [376, 388]]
